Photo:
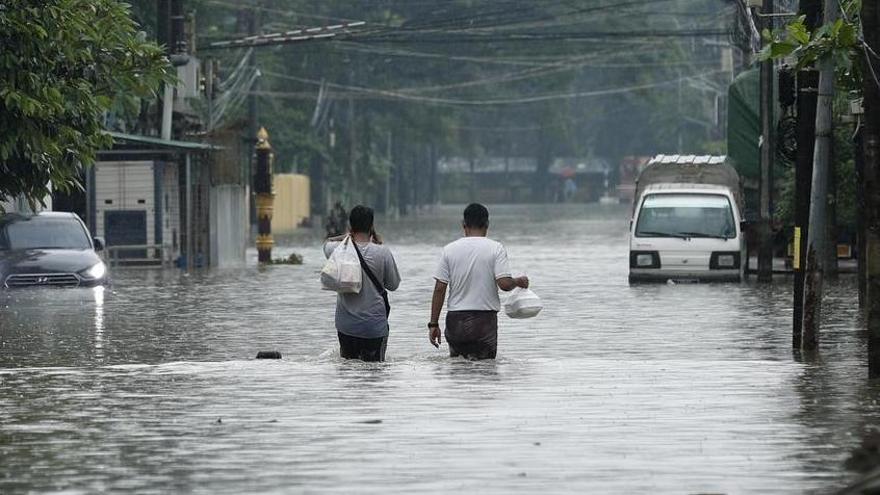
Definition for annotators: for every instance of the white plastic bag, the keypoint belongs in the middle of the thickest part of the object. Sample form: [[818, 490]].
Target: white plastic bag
[[522, 303], [342, 273]]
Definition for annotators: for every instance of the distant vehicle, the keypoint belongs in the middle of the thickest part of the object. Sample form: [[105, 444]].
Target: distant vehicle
[[49, 249], [687, 221]]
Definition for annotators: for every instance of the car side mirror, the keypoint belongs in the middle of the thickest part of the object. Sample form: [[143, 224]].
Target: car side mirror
[[99, 243], [744, 225]]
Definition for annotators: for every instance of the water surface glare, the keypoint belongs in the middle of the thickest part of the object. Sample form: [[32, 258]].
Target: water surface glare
[[152, 386]]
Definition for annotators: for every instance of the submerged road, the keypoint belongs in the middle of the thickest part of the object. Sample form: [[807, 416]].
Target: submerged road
[[152, 386]]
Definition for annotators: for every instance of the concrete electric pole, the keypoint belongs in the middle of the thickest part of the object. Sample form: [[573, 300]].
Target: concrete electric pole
[[871, 138], [817, 239], [765, 235], [807, 92]]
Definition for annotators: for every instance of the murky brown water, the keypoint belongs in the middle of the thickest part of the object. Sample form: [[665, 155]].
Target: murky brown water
[[152, 386]]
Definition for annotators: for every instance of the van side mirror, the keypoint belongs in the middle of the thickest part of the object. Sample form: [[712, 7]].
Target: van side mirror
[[744, 225], [99, 243]]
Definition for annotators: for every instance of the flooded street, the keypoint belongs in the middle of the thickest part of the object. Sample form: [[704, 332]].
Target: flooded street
[[152, 386]]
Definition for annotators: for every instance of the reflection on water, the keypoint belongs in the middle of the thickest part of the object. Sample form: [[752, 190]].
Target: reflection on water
[[99, 322], [152, 385]]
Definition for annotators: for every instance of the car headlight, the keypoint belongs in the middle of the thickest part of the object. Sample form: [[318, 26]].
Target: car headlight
[[96, 272], [724, 260], [644, 259]]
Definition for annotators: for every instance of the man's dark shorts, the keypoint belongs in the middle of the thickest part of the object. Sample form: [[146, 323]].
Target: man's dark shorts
[[363, 349], [472, 334]]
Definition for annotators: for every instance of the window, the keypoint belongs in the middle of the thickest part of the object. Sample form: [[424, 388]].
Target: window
[[41, 233], [686, 215]]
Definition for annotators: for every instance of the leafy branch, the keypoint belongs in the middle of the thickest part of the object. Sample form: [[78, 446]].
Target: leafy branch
[[65, 63], [840, 41]]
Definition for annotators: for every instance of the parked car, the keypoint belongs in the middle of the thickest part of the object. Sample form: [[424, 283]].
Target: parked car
[[49, 249]]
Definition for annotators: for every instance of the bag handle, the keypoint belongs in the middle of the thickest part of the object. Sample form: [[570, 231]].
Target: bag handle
[[379, 287]]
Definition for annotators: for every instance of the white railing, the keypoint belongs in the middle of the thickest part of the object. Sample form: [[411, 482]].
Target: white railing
[[161, 253]]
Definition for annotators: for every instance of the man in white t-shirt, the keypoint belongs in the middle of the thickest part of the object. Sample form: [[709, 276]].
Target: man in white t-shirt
[[472, 268]]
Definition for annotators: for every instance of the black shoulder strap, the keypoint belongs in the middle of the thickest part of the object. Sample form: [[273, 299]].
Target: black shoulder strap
[[379, 287]]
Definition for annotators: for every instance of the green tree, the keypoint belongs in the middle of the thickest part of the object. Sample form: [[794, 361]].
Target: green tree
[[64, 65], [838, 40]]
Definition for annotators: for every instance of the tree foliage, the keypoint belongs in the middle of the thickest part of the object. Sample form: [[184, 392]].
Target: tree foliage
[[64, 64], [839, 40]]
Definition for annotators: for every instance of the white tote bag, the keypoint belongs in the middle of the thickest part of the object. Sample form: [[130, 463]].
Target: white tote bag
[[342, 273], [522, 303]]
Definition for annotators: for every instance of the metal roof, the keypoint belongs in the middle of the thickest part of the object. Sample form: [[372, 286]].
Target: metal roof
[[164, 144], [683, 186], [688, 159]]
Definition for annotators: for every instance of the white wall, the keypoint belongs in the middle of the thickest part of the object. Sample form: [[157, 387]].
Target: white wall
[[171, 208]]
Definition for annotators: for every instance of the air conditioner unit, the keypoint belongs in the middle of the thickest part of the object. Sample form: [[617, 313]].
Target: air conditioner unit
[[189, 75]]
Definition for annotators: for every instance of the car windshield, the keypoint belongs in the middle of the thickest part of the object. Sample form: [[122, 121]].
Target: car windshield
[[686, 216], [44, 233]]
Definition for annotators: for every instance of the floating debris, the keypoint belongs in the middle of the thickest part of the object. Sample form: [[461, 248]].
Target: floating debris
[[293, 259]]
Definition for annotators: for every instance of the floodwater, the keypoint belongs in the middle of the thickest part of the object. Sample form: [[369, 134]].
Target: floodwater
[[153, 387]]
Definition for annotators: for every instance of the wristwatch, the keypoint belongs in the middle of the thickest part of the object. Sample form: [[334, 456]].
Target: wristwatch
[[432, 324]]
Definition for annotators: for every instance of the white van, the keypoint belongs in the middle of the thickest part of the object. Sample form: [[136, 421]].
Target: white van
[[687, 221]]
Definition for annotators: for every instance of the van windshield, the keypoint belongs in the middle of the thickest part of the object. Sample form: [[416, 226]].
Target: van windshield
[[686, 215]]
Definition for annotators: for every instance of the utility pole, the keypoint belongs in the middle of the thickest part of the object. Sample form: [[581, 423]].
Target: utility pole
[[831, 228], [472, 183], [432, 162], [817, 239], [871, 137], [252, 17], [861, 244], [163, 38], [208, 64], [351, 185], [807, 91], [402, 177], [249, 20], [765, 238], [390, 159]]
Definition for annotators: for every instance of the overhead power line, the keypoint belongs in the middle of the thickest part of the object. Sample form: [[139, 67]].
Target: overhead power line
[[488, 102], [538, 36], [314, 33], [284, 12], [608, 53]]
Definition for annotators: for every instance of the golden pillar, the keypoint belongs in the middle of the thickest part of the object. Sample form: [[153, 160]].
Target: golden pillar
[[264, 195]]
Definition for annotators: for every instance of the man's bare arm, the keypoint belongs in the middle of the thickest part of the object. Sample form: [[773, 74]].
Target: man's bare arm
[[436, 307]]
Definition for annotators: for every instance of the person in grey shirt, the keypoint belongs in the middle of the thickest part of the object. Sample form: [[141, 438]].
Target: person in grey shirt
[[362, 318]]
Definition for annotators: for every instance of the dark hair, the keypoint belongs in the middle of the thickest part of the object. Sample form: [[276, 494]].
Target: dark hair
[[361, 219], [476, 216]]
